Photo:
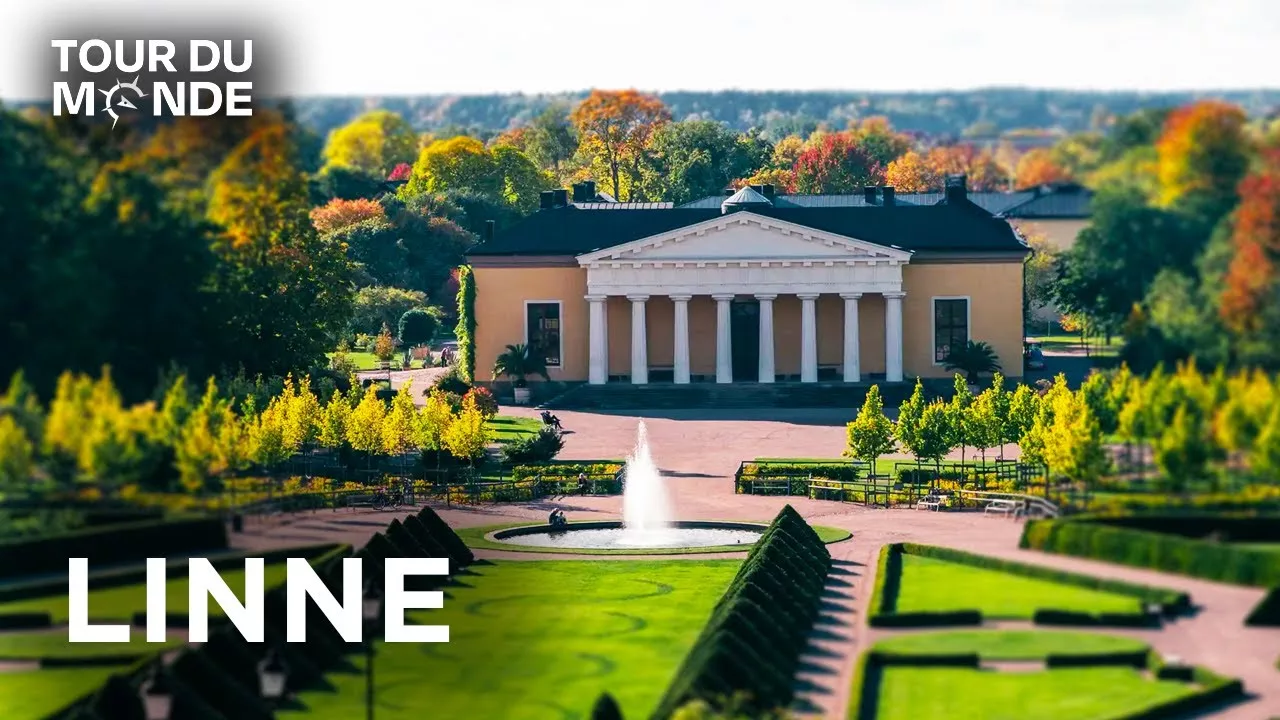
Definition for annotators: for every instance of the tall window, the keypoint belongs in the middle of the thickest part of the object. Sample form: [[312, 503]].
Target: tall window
[[542, 327], [950, 326]]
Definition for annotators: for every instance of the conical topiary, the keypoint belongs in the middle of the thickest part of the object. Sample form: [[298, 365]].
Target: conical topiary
[[606, 708]]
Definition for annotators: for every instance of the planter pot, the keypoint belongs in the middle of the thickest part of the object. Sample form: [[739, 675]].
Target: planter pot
[[384, 364], [522, 395]]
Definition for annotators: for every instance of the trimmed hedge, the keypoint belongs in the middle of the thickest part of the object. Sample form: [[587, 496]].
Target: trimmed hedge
[[110, 545], [1101, 540], [884, 597], [1083, 619], [445, 535], [25, 620], [1267, 612], [1215, 690], [752, 643], [926, 619], [968, 660], [1136, 659]]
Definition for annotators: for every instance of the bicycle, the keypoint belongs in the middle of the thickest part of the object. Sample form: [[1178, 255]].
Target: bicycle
[[382, 500]]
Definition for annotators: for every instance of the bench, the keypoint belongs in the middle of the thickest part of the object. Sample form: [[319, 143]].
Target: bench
[[930, 502], [354, 500], [756, 485], [1007, 508]]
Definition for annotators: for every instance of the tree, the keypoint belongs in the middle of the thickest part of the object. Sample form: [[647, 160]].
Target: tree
[[551, 140], [614, 128], [1264, 458], [838, 163], [464, 164], [982, 172], [1182, 450], [986, 417], [1248, 303], [399, 425], [1203, 154], [338, 214], [1073, 446], [1023, 407], [907, 428], [972, 359], [284, 291], [1038, 167], [962, 431], [332, 431], [374, 144], [519, 362], [1114, 260], [17, 457], [1041, 271], [878, 138], [364, 425], [467, 435], [465, 330], [936, 437], [374, 307], [384, 346], [417, 327], [910, 173], [782, 179], [870, 435], [696, 158]]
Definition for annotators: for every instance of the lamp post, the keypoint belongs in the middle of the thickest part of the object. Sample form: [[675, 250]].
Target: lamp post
[[156, 693], [372, 611], [273, 675]]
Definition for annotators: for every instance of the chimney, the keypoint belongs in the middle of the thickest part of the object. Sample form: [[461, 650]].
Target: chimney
[[956, 189], [488, 230], [584, 192], [767, 191], [869, 194], [546, 199], [757, 188], [886, 192], [589, 187], [561, 196]]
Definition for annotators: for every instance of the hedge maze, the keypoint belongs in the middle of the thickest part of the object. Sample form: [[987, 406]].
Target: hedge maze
[[750, 648]]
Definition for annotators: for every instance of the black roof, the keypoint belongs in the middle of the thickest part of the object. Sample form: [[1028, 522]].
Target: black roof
[[1061, 201], [573, 231]]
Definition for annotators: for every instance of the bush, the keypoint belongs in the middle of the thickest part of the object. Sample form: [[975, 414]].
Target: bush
[[1082, 537], [445, 535], [534, 448], [926, 619], [1267, 612], [1135, 659], [452, 382], [485, 401], [111, 545], [750, 648], [1083, 619], [25, 620]]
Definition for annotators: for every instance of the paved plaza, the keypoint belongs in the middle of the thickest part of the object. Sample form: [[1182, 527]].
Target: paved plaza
[[698, 452]]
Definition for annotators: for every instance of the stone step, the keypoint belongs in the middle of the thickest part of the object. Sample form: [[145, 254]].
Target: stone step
[[663, 396]]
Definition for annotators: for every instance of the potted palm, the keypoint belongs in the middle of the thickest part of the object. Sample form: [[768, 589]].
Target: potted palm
[[518, 362], [972, 359]]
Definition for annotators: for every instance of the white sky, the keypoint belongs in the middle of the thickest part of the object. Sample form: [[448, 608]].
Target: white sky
[[371, 47]]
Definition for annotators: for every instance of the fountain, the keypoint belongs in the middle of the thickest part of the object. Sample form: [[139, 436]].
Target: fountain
[[646, 518]]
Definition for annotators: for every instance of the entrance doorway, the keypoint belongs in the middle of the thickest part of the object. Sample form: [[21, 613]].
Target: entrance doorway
[[744, 327]]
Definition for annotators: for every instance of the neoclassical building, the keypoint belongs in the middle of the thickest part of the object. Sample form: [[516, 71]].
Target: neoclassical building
[[755, 287]]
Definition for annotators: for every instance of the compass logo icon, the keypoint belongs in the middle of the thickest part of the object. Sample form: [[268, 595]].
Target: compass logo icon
[[117, 98]]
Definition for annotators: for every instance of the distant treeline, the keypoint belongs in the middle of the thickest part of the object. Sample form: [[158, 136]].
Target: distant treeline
[[975, 113]]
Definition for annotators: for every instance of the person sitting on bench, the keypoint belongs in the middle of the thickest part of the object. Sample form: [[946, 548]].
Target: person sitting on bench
[[549, 419], [584, 485]]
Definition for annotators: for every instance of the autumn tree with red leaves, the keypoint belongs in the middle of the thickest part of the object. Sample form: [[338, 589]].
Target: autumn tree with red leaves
[[1203, 154], [338, 213], [837, 163], [615, 127], [1251, 297], [983, 173]]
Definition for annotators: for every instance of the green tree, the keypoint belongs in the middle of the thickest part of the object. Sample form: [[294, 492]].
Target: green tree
[[17, 458], [417, 327], [936, 437], [985, 418], [1182, 450], [692, 159], [1264, 458], [399, 425], [1073, 446], [465, 330], [377, 306], [870, 435], [332, 432], [551, 141], [1024, 404], [907, 428], [963, 431]]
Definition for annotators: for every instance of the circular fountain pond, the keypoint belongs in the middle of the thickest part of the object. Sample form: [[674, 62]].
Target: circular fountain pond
[[614, 536]]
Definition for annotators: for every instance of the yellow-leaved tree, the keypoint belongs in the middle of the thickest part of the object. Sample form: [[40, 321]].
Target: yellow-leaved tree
[[467, 435]]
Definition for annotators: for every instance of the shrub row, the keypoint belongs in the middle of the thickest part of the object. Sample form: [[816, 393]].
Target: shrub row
[[1267, 612], [1214, 690], [563, 470], [1134, 658], [1083, 619], [760, 626], [110, 545], [1238, 528], [843, 472], [884, 598], [1091, 538], [1169, 600]]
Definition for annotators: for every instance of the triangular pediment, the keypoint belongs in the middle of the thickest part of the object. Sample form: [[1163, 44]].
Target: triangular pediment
[[747, 237]]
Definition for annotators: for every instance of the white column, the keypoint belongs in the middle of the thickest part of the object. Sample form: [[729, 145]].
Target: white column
[[682, 339], [605, 325], [808, 338], [639, 341], [893, 336], [852, 355], [766, 337], [598, 372], [724, 340]]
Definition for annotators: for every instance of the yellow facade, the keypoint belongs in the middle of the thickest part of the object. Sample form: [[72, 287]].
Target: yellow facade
[[993, 289]]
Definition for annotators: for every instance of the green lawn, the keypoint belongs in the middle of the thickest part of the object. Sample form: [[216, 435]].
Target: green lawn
[[53, 644], [35, 694], [930, 585], [912, 693], [506, 428], [122, 602], [541, 639], [1008, 644], [363, 360]]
